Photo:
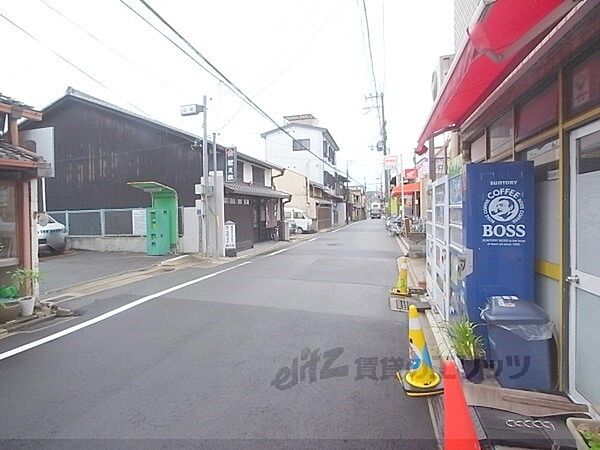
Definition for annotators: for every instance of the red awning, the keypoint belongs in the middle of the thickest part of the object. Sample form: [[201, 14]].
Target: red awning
[[408, 189], [506, 32]]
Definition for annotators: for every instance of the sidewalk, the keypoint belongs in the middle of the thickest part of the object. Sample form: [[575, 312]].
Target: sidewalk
[[77, 267]]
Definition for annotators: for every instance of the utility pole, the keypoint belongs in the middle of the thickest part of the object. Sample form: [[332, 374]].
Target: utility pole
[[204, 179], [432, 162], [193, 110], [217, 253], [383, 131], [386, 173]]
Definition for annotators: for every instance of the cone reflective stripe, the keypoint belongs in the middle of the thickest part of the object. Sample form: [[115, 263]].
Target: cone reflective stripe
[[420, 379], [459, 431], [402, 282]]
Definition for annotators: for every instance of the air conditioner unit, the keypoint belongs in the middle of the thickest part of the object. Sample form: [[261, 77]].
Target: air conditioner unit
[[439, 74]]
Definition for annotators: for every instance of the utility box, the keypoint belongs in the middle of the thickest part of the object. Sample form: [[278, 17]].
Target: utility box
[[284, 230], [162, 218], [158, 241], [521, 343]]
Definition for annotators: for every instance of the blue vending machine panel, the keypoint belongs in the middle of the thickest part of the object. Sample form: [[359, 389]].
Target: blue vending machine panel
[[498, 233]]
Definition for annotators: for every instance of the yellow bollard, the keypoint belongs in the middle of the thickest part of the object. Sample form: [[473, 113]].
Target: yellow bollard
[[402, 282], [420, 379]]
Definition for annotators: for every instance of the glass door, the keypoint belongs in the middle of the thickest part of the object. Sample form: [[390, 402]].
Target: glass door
[[584, 279]]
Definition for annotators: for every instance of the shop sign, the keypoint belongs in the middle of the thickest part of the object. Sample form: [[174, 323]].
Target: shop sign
[[390, 161], [230, 164]]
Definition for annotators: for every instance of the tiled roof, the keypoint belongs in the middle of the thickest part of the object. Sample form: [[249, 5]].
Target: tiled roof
[[255, 190], [9, 151], [74, 93], [11, 101]]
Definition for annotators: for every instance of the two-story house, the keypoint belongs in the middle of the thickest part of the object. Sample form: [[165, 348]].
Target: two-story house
[[309, 150]]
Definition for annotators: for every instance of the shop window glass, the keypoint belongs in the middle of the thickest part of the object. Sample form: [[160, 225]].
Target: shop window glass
[[501, 134], [538, 113], [8, 222], [584, 85]]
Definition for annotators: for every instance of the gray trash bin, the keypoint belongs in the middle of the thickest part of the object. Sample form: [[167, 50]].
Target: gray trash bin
[[521, 343]]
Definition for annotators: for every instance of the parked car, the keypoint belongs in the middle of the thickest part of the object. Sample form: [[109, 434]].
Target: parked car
[[300, 218], [52, 236]]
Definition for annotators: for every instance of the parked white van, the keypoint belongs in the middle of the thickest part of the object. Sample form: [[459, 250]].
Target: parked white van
[[300, 218]]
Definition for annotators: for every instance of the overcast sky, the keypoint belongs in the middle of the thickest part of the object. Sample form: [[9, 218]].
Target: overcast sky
[[290, 56]]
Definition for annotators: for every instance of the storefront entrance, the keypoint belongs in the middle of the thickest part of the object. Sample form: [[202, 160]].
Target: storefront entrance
[[584, 279]]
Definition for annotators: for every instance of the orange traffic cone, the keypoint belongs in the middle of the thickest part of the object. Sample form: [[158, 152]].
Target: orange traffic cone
[[459, 431]]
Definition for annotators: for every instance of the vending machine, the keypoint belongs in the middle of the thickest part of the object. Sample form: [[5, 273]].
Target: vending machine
[[497, 255]]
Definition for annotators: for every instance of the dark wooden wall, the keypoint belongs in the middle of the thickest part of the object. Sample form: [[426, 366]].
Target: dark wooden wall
[[98, 151]]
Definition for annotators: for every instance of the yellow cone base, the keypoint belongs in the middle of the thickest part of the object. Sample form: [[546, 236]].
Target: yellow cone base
[[396, 291], [414, 391]]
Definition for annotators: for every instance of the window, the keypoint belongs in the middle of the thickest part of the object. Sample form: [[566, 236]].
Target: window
[[538, 113], [258, 176], [8, 222], [501, 134], [478, 149], [298, 215], [325, 148], [583, 83], [287, 214], [240, 171], [301, 144]]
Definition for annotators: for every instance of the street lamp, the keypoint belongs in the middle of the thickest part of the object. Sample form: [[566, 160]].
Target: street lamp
[[193, 110]]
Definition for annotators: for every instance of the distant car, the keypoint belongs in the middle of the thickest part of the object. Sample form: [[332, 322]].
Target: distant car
[[300, 218], [52, 237]]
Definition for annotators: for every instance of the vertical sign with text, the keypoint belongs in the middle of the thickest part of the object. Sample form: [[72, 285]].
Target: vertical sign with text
[[230, 164]]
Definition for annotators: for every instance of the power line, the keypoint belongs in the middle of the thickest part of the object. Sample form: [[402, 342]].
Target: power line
[[371, 58], [73, 65], [291, 64], [217, 73], [113, 50]]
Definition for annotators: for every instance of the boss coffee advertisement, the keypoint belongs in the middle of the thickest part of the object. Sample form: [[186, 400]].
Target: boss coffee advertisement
[[498, 223]]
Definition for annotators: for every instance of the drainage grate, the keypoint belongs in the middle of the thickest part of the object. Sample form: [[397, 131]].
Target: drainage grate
[[402, 305]]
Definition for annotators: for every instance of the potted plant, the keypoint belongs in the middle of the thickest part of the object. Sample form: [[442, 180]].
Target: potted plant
[[468, 346], [586, 432], [25, 280]]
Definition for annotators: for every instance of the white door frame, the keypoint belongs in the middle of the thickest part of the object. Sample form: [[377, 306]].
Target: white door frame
[[587, 282]]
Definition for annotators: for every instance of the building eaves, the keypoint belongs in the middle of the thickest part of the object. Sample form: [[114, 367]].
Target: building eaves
[[255, 190], [76, 95]]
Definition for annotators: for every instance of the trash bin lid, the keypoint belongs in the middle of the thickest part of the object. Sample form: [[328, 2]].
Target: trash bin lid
[[510, 310]]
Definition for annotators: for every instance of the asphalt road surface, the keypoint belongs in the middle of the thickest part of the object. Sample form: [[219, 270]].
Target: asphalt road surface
[[293, 349]]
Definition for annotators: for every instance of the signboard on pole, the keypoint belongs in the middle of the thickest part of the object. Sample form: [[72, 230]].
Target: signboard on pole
[[230, 164], [230, 235], [390, 161]]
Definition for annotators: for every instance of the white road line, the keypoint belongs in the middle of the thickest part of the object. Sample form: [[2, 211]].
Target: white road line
[[312, 239], [114, 312], [277, 252]]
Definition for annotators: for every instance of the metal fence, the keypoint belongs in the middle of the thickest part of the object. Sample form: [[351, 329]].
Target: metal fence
[[107, 222]]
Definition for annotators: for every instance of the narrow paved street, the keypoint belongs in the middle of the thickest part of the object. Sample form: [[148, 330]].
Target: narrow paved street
[[294, 346]]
